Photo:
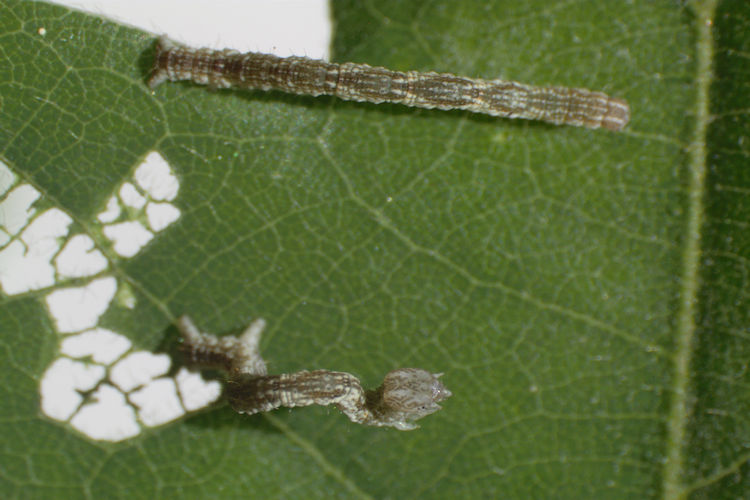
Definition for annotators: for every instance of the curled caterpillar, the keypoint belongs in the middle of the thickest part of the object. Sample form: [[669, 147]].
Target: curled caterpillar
[[406, 394]]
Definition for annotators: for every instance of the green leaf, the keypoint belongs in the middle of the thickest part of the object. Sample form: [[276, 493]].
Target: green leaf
[[583, 291]]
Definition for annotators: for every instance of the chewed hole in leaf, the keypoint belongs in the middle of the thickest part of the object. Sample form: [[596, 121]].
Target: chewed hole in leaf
[[99, 383]]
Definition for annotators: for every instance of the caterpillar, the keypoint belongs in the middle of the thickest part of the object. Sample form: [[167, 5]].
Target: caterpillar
[[365, 83]]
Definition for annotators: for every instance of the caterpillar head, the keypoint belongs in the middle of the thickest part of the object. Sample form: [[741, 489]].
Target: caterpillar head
[[410, 394]]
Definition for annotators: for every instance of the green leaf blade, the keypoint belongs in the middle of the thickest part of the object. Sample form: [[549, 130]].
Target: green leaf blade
[[539, 267]]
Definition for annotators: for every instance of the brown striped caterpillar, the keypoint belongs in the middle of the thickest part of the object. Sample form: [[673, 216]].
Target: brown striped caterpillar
[[406, 394], [361, 82]]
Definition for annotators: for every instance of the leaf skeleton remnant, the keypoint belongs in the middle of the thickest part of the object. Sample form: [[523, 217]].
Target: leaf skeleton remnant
[[406, 394], [361, 82]]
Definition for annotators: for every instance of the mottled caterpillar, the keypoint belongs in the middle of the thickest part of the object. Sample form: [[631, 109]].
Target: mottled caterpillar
[[361, 82], [406, 394]]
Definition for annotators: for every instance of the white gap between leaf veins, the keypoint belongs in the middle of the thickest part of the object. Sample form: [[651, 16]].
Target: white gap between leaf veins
[[131, 197], [128, 237], [89, 352], [112, 212], [91, 358], [138, 369], [161, 215], [62, 382], [15, 209], [107, 417], [25, 263], [195, 391], [156, 178], [79, 308], [7, 179], [79, 258], [158, 402], [101, 345]]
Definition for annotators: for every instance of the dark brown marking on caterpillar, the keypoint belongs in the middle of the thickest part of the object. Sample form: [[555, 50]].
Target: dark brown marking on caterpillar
[[252, 394], [231, 354], [205, 359], [361, 82]]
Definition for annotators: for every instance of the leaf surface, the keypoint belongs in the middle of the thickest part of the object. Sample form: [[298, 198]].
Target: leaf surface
[[583, 291]]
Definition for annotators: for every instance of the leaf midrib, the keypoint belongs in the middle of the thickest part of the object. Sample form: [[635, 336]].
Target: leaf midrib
[[673, 487]]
